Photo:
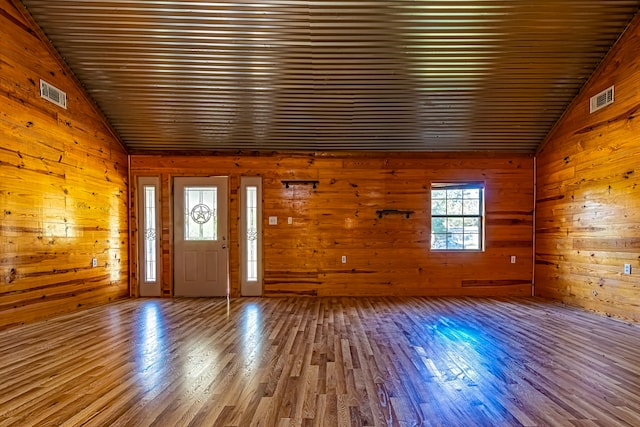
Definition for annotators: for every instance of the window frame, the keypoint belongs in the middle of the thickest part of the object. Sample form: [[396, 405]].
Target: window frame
[[452, 185], [250, 287], [148, 287]]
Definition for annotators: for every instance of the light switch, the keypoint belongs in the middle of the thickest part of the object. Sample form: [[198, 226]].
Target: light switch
[[273, 220]]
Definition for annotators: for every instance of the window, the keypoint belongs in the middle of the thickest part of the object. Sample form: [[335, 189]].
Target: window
[[251, 235], [150, 233], [457, 211], [149, 236], [251, 232]]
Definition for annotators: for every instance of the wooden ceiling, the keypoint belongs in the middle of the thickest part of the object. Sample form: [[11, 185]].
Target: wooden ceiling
[[419, 75]]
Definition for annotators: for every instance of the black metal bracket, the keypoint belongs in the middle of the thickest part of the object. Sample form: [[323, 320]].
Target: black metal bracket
[[393, 212], [288, 182]]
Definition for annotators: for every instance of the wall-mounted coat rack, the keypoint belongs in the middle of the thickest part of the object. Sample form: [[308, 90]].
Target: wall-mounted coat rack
[[289, 182], [383, 212]]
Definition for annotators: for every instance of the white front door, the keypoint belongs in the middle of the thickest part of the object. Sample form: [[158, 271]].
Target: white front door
[[200, 237]]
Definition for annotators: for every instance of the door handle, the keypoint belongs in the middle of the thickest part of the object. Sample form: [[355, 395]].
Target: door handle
[[224, 246]]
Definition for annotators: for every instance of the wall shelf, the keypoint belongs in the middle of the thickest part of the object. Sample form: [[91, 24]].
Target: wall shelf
[[289, 182], [384, 212]]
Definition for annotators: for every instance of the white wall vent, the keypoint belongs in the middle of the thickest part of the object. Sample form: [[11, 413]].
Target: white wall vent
[[53, 94], [601, 99]]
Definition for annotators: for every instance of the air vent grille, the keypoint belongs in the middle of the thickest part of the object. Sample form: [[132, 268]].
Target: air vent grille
[[601, 99], [53, 94]]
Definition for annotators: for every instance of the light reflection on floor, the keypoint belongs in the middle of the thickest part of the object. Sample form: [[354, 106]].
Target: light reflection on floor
[[252, 337], [458, 355], [150, 345]]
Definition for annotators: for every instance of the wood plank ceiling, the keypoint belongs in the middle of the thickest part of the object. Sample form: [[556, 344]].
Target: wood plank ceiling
[[420, 75]]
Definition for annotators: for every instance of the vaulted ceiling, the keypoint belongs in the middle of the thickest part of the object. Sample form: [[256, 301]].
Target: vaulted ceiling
[[415, 75]]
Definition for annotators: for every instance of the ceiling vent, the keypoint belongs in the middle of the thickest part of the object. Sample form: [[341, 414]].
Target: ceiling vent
[[53, 94], [601, 100]]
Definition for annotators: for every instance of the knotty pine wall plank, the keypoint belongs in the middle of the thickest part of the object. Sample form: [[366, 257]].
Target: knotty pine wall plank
[[588, 193], [63, 186], [385, 256]]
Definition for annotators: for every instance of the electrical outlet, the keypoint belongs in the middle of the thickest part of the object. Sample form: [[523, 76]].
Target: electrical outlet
[[94, 262], [627, 269], [344, 259], [273, 220], [290, 220], [513, 259]]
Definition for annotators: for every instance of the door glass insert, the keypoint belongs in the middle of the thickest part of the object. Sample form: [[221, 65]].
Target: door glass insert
[[200, 213]]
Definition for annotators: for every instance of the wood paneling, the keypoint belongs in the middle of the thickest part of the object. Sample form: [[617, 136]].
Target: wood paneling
[[63, 186], [588, 201], [385, 256], [331, 362]]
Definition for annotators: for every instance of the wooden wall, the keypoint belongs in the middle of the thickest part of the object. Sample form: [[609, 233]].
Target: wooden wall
[[588, 193], [63, 186], [385, 256]]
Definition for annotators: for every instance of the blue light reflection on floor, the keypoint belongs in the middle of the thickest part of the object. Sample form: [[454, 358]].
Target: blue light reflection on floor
[[454, 353]]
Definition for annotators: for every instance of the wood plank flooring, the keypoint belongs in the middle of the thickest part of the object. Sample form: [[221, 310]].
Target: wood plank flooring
[[322, 362]]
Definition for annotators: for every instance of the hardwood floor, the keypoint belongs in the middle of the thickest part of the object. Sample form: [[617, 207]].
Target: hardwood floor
[[322, 361]]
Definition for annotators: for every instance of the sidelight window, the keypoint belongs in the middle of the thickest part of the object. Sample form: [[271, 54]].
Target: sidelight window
[[251, 235], [150, 233], [149, 237]]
